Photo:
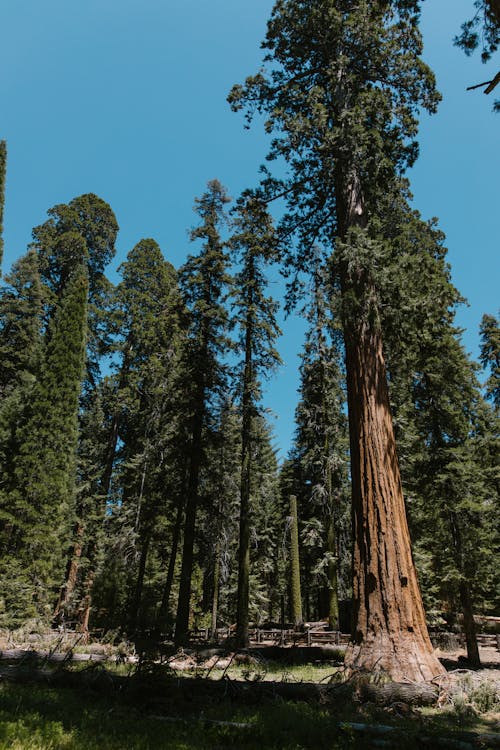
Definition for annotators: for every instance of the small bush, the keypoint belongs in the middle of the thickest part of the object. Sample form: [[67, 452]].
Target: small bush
[[485, 697]]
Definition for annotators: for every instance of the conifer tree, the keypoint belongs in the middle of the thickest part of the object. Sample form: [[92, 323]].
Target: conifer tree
[[455, 510], [142, 425], [320, 447], [342, 96], [203, 281], [295, 563], [490, 356], [253, 245], [3, 168], [92, 218], [45, 467], [21, 311], [442, 424]]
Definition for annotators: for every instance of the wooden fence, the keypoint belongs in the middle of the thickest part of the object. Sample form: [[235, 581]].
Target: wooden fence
[[279, 637]]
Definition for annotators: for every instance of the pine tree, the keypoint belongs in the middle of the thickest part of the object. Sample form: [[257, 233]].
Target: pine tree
[[342, 96], [490, 356], [90, 217], [295, 564], [203, 279], [3, 168], [320, 447], [21, 310], [142, 425], [441, 422], [455, 510], [253, 245], [45, 467]]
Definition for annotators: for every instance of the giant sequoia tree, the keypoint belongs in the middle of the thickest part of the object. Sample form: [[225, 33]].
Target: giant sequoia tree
[[341, 95]]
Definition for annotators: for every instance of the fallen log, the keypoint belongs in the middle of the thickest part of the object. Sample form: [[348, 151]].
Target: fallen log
[[413, 694], [57, 657]]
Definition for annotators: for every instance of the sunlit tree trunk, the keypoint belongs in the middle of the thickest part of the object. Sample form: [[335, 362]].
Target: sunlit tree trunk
[[389, 629]]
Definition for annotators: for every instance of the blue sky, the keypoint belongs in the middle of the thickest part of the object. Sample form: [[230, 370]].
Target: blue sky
[[126, 99]]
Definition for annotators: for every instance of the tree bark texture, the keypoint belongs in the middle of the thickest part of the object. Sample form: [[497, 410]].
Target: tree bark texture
[[242, 619], [176, 535], [331, 547], [389, 628], [71, 572], [136, 601], [184, 600], [295, 564], [389, 631], [465, 595]]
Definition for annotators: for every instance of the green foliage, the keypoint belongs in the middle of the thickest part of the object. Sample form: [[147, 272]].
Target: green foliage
[[483, 29], [255, 318], [88, 217], [141, 429], [490, 356], [3, 168], [341, 93], [445, 431], [319, 458], [42, 498]]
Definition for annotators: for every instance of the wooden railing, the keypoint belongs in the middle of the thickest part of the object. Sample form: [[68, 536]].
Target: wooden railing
[[289, 637]]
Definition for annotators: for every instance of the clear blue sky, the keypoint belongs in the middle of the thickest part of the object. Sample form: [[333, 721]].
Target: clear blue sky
[[126, 99]]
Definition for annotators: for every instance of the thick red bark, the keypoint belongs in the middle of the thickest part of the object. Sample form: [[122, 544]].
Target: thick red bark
[[389, 628]]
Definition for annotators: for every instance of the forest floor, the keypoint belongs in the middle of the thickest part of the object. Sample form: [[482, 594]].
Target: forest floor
[[244, 704]]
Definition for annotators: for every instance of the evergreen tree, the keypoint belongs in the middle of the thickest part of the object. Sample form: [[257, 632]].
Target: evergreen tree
[[203, 280], [3, 167], [342, 95], [139, 474], [45, 466], [21, 309], [442, 424], [490, 356], [454, 518], [253, 245], [320, 451], [90, 217]]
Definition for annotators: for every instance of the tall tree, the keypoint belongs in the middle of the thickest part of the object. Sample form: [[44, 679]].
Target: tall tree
[[45, 467], [21, 313], [342, 95], [320, 446], [253, 246], [142, 424], [490, 356], [92, 218], [442, 423], [3, 168], [203, 281], [295, 564]]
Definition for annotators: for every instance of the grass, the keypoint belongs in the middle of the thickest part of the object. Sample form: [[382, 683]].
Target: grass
[[44, 718], [97, 716]]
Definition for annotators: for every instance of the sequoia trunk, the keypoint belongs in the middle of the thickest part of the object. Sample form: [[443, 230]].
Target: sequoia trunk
[[389, 628], [389, 631]]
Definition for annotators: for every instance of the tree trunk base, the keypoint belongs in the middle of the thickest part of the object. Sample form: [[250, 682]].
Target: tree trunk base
[[403, 659]]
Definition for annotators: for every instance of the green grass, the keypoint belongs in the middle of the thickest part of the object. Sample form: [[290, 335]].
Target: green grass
[[100, 717], [41, 718]]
